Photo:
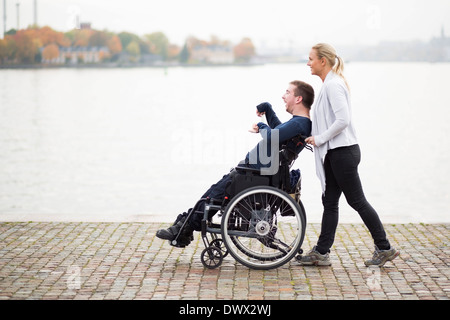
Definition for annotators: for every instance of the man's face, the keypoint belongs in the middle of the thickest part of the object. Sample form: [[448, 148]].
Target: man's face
[[289, 98]]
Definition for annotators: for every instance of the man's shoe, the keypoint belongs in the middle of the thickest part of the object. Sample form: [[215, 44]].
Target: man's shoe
[[380, 257], [171, 232], [185, 235], [314, 258]]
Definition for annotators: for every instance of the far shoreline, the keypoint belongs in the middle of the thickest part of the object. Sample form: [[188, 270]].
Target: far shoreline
[[114, 65]]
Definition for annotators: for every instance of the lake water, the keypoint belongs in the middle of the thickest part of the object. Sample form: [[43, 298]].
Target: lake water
[[144, 144]]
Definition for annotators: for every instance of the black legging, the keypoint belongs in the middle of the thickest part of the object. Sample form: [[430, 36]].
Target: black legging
[[341, 176]]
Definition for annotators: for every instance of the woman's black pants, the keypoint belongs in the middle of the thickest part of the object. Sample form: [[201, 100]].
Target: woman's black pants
[[341, 176]]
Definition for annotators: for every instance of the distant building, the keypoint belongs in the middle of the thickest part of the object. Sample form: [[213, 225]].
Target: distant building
[[75, 55], [85, 25], [213, 54], [440, 48]]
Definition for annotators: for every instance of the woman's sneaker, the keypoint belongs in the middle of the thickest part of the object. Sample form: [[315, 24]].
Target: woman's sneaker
[[380, 257], [314, 258]]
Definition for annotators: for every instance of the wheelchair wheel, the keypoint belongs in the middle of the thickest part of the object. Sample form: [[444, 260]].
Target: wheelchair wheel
[[211, 257], [263, 227], [218, 243]]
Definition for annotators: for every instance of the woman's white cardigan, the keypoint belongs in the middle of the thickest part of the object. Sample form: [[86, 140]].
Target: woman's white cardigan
[[331, 120]]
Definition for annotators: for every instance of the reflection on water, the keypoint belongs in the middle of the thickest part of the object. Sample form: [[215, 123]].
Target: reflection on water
[[144, 144]]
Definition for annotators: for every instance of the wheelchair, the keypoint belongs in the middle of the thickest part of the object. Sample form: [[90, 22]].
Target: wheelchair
[[263, 220]]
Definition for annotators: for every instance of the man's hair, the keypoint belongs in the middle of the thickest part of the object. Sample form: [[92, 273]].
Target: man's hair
[[305, 91]]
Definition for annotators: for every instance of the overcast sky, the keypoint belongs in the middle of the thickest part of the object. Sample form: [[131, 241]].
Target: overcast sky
[[266, 22]]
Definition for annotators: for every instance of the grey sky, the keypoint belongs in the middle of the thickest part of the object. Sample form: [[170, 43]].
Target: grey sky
[[266, 22]]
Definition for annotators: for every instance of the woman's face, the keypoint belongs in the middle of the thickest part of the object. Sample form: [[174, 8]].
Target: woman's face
[[315, 63]]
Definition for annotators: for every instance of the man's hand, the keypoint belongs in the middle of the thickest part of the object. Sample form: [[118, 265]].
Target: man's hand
[[254, 129], [259, 114]]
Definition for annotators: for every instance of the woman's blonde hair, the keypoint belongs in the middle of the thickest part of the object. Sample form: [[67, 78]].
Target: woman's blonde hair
[[327, 51]]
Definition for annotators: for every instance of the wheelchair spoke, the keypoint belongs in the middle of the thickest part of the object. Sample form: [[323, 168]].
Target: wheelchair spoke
[[247, 206], [284, 207]]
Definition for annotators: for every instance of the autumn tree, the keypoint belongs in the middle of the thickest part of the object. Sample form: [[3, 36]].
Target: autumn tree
[[114, 45], [244, 51], [3, 50], [98, 39], [50, 52], [173, 51], [126, 38], [79, 38], [133, 50], [158, 44], [7, 49], [27, 46], [47, 36]]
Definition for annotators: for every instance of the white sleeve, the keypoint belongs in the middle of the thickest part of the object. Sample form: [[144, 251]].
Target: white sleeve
[[337, 102]]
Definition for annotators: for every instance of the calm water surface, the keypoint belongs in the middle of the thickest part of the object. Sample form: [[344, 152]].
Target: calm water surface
[[144, 144]]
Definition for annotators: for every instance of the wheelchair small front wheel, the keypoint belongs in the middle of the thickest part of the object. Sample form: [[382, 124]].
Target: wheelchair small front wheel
[[263, 227], [218, 243], [211, 257]]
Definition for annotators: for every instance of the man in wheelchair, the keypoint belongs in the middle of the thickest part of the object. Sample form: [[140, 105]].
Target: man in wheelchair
[[263, 159]]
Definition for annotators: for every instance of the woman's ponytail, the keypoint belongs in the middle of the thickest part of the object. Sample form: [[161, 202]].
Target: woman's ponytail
[[328, 52]]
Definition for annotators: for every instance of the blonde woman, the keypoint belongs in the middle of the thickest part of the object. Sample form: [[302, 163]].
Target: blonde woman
[[337, 157]]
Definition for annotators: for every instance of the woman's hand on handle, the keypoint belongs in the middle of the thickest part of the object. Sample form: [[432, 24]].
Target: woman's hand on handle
[[310, 140]]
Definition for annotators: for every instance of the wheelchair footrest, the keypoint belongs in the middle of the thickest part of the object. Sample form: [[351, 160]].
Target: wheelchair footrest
[[177, 244]]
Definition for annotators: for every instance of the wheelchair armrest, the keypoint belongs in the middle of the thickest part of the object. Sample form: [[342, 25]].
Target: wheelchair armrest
[[248, 170]]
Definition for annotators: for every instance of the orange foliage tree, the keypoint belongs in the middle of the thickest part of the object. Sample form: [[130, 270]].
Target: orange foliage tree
[[27, 46], [7, 49], [80, 38], [24, 45], [47, 35], [50, 52], [114, 45], [244, 51]]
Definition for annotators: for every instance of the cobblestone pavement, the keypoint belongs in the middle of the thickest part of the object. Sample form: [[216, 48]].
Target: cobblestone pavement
[[126, 261]]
